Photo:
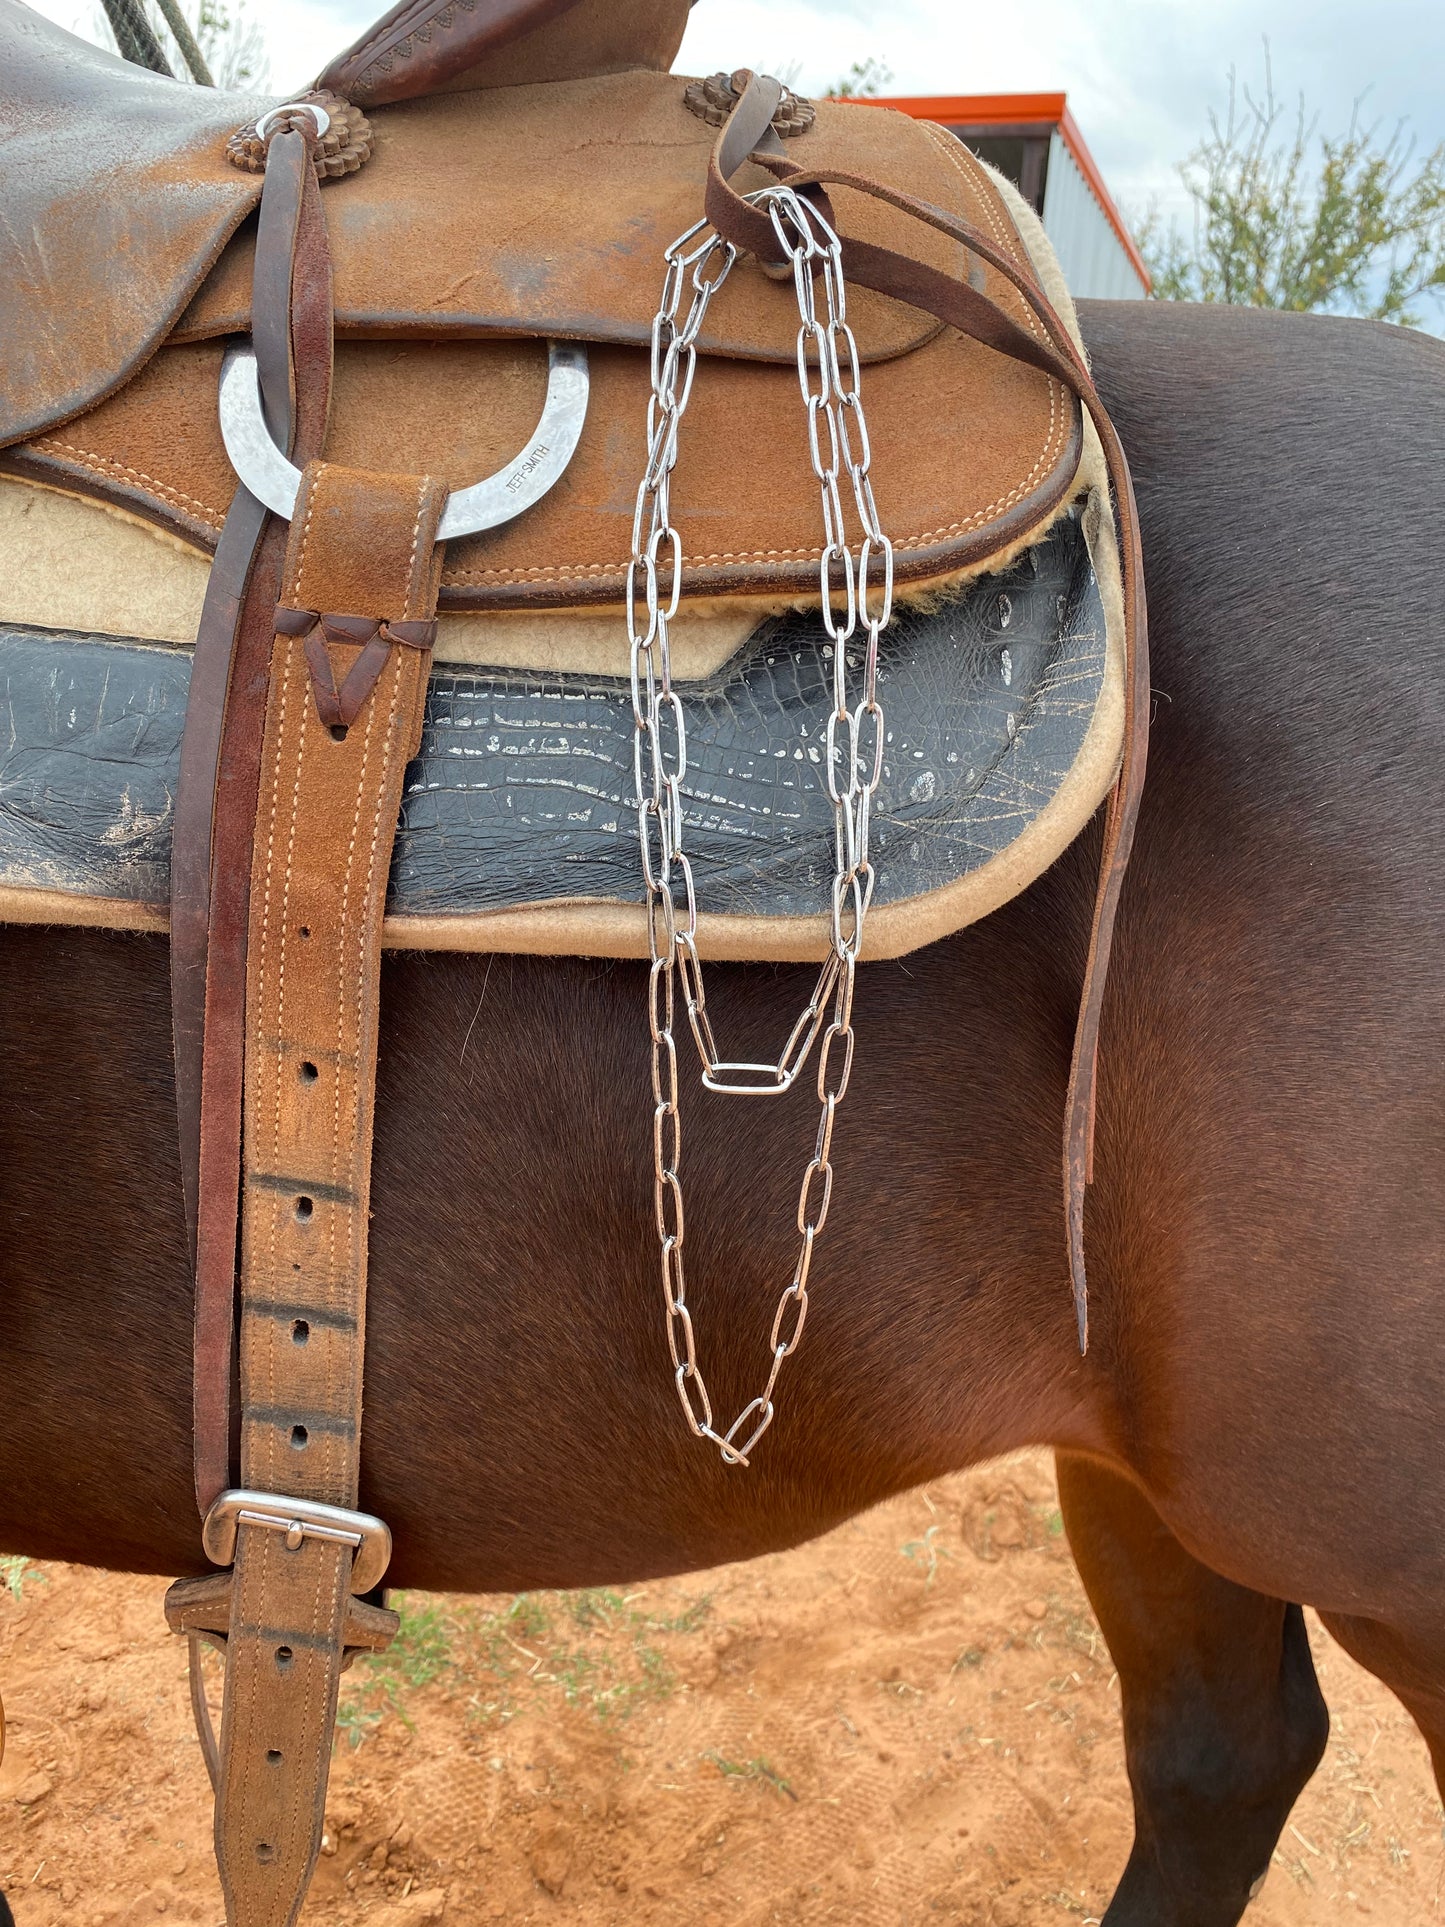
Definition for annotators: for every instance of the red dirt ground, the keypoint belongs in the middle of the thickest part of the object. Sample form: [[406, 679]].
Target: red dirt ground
[[914, 1719]]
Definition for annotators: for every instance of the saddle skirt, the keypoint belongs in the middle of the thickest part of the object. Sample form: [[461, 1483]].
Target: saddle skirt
[[485, 223]]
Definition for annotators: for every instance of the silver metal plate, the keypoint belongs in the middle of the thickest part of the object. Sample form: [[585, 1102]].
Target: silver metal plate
[[489, 504]]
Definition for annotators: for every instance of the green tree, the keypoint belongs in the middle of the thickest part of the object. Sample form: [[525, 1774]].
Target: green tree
[[233, 45], [1285, 217], [210, 42], [863, 81]]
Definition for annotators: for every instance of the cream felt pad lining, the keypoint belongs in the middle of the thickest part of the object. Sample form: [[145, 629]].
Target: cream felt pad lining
[[71, 563]]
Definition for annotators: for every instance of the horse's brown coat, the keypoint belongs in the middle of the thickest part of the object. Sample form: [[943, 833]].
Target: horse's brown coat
[[1265, 1233]]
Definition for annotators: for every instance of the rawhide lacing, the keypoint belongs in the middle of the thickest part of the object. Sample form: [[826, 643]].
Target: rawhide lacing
[[342, 149], [714, 99], [339, 708]]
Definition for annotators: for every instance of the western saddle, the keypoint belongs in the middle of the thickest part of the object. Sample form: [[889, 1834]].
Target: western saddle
[[472, 178]]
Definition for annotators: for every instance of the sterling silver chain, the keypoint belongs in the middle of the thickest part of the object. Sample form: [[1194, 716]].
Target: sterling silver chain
[[857, 593]]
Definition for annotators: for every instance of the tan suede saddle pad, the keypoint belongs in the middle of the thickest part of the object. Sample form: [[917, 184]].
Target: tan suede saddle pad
[[484, 224]]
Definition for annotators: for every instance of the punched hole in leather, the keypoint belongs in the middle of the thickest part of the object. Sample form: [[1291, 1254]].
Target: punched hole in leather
[[291, 1612]]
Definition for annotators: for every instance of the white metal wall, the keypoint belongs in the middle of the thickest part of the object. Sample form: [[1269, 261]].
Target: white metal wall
[[1095, 262]]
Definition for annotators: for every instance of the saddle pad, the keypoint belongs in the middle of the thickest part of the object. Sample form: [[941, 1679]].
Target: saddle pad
[[1004, 712]]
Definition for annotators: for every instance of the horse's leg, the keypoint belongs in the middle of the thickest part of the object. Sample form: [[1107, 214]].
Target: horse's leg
[[1223, 1717], [1411, 1664]]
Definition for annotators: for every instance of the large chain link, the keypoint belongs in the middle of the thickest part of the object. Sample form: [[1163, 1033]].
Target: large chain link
[[856, 593]]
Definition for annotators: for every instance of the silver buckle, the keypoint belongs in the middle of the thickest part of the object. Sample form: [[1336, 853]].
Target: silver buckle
[[299, 1519]]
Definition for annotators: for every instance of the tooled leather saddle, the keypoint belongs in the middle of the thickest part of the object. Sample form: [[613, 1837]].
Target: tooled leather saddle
[[444, 264]]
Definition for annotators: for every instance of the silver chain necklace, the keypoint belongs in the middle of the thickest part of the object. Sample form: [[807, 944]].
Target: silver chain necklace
[[857, 593]]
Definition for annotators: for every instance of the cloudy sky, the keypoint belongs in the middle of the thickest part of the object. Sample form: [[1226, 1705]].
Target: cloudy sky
[[1141, 74]]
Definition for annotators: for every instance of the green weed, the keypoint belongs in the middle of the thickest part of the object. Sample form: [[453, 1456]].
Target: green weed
[[527, 1616], [927, 1552], [688, 1620], [757, 1770], [595, 1609], [355, 1722], [16, 1570], [421, 1651], [591, 1649], [420, 1654]]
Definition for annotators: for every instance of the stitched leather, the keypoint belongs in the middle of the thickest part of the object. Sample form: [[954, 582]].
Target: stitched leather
[[93, 149], [975, 452], [422, 43], [422, 46], [216, 794], [101, 151], [328, 803]]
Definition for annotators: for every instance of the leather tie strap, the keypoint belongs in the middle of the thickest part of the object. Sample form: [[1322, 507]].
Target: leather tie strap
[[961, 305], [329, 799], [338, 708]]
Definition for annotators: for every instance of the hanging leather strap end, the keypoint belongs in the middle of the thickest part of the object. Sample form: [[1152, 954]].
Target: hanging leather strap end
[[289, 1617]]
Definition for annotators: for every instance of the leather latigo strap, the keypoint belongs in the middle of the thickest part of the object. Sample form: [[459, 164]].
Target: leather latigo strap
[[220, 760], [362, 546], [961, 305]]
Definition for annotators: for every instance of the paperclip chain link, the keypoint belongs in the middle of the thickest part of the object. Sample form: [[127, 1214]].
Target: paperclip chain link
[[856, 593]]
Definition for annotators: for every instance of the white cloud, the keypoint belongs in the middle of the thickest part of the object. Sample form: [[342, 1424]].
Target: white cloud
[[1141, 75], [301, 35]]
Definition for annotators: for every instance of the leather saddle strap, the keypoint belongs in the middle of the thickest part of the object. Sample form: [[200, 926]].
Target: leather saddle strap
[[220, 755], [278, 228], [365, 545], [960, 305]]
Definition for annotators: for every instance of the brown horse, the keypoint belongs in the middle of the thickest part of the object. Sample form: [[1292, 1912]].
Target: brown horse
[[1265, 1234]]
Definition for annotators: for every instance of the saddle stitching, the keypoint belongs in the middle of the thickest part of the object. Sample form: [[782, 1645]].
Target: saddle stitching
[[319, 1624], [250, 1749], [341, 1006], [416, 538], [263, 982], [305, 719], [966, 165], [319, 474], [103, 465], [572, 571], [915, 544]]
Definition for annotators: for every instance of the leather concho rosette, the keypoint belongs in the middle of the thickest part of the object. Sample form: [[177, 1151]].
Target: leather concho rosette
[[342, 149], [714, 99]]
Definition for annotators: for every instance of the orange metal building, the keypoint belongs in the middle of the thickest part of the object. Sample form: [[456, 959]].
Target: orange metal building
[[1035, 141]]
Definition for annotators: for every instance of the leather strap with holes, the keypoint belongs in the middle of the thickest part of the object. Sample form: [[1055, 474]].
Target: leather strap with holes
[[215, 809], [362, 556]]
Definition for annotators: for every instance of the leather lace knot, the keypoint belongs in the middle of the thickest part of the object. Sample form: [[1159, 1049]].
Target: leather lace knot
[[339, 708]]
